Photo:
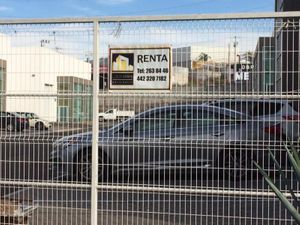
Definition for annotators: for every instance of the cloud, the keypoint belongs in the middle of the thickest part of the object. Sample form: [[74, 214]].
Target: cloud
[[5, 9], [113, 2]]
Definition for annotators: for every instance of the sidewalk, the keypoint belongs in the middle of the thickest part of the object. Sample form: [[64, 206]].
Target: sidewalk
[[64, 216]]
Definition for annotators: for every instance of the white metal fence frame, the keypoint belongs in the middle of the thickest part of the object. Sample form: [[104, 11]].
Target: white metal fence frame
[[97, 22]]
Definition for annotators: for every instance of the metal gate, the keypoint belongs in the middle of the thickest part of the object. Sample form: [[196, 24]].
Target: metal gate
[[148, 120]]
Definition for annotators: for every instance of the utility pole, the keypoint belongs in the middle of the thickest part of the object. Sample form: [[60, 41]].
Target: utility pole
[[235, 43], [229, 64]]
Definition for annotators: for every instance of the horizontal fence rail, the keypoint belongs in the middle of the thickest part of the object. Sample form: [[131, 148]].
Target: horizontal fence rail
[[119, 188], [190, 17]]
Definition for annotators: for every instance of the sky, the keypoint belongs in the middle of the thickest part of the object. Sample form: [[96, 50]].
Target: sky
[[91, 8]]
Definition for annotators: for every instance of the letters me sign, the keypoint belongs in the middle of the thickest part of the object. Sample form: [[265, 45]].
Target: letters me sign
[[140, 68], [243, 71]]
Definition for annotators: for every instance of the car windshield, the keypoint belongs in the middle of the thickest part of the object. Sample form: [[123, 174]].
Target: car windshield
[[16, 114], [34, 116], [110, 111]]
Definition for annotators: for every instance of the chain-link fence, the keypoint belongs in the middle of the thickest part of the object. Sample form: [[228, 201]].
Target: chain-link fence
[[148, 120]]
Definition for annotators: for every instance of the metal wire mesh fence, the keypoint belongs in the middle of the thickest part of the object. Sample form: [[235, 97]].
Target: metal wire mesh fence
[[75, 151]]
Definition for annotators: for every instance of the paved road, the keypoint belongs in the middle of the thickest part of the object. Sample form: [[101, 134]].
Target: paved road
[[61, 206], [25, 158]]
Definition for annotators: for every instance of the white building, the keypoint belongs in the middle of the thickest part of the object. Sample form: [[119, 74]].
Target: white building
[[180, 76], [35, 71]]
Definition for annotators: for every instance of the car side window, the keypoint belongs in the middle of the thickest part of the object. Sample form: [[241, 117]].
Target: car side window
[[266, 108], [162, 119], [239, 106], [109, 111], [196, 118], [219, 104], [231, 105]]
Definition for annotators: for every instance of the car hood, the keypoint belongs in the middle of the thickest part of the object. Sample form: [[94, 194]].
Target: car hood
[[80, 138]]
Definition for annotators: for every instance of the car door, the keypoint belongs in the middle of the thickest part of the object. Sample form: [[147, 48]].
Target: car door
[[266, 113], [154, 134], [2, 120], [291, 116], [30, 118], [142, 143], [8, 119], [196, 135], [110, 114], [202, 133]]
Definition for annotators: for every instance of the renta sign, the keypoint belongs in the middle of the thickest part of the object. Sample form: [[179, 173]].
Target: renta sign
[[152, 58], [140, 68]]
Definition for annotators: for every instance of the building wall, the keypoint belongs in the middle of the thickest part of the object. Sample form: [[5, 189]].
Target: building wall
[[77, 108], [34, 70], [2, 84], [287, 48], [182, 57], [287, 5], [263, 74], [180, 76]]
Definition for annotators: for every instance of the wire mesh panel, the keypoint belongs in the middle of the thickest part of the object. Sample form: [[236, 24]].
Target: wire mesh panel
[[183, 109], [46, 94], [186, 156]]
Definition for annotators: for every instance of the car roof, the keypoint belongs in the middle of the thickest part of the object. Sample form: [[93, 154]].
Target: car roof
[[211, 108], [284, 101], [206, 107]]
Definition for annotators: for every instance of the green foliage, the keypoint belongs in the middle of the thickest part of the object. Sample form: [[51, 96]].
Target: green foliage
[[294, 159], [203, 57]]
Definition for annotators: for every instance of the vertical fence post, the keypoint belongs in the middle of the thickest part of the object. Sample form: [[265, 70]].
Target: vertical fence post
[[94, 192]]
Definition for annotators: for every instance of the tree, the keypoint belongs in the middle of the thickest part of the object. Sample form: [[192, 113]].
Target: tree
[[203, 57]]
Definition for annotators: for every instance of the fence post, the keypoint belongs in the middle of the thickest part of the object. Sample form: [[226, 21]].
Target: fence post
[[94, 192]]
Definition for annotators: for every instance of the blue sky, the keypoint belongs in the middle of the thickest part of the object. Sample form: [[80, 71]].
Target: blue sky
[[85, 8]]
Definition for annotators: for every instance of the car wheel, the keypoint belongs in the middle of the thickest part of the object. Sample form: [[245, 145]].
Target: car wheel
[[235, 163], [39, 126], [84, 167], [10, 127]]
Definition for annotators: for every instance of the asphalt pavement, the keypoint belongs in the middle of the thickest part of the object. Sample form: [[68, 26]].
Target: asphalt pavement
[[72, 206], [25, 157]]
